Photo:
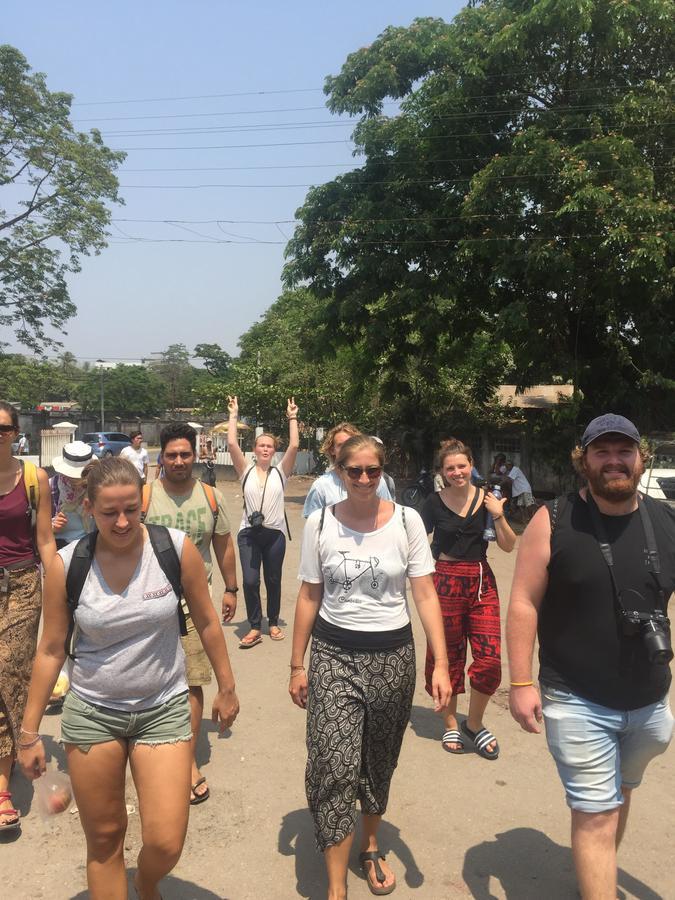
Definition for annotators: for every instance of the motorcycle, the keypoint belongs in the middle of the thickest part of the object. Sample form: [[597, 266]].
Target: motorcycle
[[417, 492]]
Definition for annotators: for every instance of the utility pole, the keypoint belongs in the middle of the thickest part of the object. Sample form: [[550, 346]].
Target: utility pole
[[100, 362]]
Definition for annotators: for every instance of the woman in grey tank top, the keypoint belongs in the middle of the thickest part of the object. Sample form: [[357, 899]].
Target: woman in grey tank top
[[128, 699]]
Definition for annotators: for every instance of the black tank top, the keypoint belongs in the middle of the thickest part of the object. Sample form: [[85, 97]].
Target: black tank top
[[455, 535], [581, 646]]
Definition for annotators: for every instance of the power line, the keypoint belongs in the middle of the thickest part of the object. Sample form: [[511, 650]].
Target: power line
[[197, 97], [422, 241], [610, 127], [441, 180], [315, 90], [348, 163]]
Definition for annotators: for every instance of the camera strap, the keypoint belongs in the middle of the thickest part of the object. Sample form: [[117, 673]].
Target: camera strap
[[651, 550], [243, 488]]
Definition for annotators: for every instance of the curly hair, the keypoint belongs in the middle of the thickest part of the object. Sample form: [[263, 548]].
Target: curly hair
[[175, 431], [327, 446], [578, 456]]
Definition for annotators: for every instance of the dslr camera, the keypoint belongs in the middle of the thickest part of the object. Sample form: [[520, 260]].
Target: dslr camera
[[654, 629], [256, 519]]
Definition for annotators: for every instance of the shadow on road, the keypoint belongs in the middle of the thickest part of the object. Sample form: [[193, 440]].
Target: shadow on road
[[171, 888], [528, 865], [296, 838]]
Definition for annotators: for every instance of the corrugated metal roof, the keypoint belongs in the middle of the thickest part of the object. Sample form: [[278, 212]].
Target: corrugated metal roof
[[539, 396]]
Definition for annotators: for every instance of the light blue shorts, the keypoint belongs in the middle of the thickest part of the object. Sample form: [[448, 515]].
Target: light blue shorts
[[597, 749]]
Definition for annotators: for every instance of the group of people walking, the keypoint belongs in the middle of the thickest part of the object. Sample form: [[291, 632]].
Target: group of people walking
[[129, 602]]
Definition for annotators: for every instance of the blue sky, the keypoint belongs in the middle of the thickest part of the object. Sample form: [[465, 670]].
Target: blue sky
[[177, 286]]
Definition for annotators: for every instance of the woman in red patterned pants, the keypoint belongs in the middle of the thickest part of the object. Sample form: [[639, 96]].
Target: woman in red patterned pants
[[467, 592]]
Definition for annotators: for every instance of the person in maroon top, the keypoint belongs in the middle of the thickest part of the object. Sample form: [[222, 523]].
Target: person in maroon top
[[467, 591], [22, 548]]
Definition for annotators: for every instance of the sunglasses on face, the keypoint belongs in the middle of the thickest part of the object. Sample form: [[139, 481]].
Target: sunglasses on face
[[355, 472], [7, 429]]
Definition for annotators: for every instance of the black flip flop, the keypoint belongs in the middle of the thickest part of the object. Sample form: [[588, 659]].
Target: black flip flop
[[481, 739], [375, 856], [199, 798]]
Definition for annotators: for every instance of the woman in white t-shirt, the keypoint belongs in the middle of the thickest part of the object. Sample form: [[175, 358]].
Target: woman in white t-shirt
[[128, 701], [262, 532], [358, 692]]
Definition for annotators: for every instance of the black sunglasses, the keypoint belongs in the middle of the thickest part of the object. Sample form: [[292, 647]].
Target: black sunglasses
[[355, 472], [6, 429]]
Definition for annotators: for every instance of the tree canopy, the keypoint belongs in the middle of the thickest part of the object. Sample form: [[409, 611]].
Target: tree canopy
[[129, 391], [513, 218], [55, 184]]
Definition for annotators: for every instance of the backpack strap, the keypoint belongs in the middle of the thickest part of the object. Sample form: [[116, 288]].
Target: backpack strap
[[169, 562], [211, 499], [80, 563], [145, 501], [556, 510], [30, 480]]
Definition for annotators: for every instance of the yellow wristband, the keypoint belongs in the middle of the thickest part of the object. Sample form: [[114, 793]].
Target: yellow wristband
[[521, 683]]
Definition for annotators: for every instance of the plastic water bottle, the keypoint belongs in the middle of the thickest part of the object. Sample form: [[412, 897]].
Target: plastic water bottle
[[489, 534]]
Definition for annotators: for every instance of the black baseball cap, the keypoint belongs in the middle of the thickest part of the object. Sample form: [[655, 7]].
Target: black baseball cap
[[610, 423]]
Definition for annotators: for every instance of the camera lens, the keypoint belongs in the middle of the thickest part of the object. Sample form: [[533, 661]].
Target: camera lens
[[657, 642]]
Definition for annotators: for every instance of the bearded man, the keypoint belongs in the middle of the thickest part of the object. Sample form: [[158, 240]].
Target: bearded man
[[594, 574]]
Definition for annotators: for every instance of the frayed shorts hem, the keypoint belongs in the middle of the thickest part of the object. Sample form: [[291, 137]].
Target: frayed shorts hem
[[84, 725]]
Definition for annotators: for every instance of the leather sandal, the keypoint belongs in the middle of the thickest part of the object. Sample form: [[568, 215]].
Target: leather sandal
[[375, 856], [16, 823]]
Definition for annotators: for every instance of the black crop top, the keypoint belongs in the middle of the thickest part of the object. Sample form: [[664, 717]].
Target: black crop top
[[447, 525]]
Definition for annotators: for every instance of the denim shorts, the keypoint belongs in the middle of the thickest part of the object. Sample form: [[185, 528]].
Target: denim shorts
[[84, 724], [598, 750]]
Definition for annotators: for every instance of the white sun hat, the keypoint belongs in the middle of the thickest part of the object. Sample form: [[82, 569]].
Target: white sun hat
[[74, 457]]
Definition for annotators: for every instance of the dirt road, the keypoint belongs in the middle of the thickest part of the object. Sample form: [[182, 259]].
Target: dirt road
[[456, 827]]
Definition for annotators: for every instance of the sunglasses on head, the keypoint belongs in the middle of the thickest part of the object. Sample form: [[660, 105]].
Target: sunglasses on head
[[6, 429], [355, 472]]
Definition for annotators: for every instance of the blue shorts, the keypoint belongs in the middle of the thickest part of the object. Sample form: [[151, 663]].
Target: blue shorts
[[598, 750]]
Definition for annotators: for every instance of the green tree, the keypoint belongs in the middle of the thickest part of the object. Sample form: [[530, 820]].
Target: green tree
[[177, 373], [56, 183], [273, 365], [128, 390], [216, 361], [519, 200], [29, 381]]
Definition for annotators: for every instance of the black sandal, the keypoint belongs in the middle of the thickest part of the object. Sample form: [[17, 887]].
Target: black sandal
[[481, 739], [375, 856]]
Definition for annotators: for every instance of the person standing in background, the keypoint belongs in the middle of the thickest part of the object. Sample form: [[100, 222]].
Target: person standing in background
[[137, 454]]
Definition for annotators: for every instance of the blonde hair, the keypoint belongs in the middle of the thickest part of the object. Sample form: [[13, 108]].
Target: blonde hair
[[110, 473], [452, 447], [327, 446], [360, 442], [275, 440]]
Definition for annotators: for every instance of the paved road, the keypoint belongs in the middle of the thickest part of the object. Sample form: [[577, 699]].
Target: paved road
[[457, 826]]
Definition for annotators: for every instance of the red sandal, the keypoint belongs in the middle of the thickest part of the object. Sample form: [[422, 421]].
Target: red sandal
[[8, 826]]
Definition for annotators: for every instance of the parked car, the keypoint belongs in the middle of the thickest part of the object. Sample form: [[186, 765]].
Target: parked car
[[658, 480], [107, 443]]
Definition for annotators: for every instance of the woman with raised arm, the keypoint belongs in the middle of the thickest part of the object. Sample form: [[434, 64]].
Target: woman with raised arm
[[356, 556], [26, 540], [263, 529], [467, 591], [128, 701]]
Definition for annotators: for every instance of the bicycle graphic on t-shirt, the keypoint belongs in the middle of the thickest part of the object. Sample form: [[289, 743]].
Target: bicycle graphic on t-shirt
[[350, 570]]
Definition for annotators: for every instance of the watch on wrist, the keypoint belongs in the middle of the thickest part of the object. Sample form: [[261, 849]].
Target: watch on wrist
[[231, 590]]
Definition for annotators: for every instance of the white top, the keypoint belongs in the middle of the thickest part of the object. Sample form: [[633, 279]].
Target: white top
[[364, 574], [128, 654], [273, 507], [329, 489], [139, 458], [520, 482]]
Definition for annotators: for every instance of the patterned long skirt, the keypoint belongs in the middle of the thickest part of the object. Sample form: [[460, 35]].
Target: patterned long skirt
[[467, 592], [358, 708], [20, 610]]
